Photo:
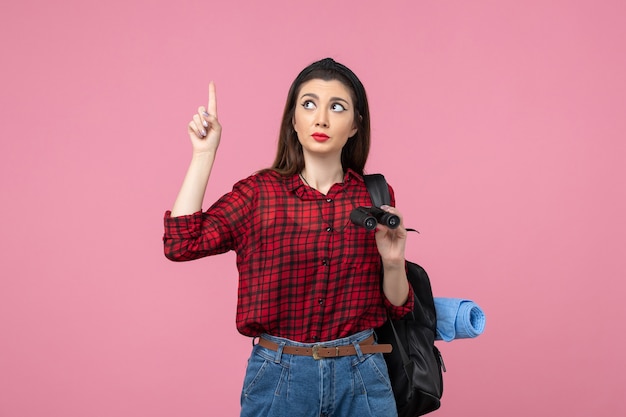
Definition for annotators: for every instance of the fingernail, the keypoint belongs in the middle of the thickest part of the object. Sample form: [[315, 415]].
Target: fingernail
[[385, 207], [203, 132], [205, 113], [205, 124]]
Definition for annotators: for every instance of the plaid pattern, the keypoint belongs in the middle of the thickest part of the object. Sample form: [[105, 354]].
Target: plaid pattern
[[306, 272]]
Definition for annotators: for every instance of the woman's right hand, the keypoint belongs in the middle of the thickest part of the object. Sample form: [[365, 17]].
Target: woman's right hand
[[204, 129]]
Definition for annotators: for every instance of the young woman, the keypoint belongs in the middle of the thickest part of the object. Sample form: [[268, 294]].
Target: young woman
[[312, 285]]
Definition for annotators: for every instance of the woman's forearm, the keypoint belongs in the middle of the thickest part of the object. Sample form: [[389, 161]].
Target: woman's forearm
[[191, 194], [395, 283]]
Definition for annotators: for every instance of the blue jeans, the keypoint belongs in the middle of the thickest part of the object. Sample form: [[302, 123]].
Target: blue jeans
[[282, 385]]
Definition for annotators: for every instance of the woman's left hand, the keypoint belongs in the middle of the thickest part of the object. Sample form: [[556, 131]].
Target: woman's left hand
[[391, 243]]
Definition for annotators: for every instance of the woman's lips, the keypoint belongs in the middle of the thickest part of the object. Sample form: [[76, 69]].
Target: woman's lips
[[320, 137]]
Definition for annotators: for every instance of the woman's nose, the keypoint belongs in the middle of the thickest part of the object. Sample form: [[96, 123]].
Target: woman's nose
[[322, 119]]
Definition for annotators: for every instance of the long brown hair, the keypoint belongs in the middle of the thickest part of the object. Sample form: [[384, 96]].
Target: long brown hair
[[289, 157]]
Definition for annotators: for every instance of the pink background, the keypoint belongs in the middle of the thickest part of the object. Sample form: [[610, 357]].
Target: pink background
[[499, 123]]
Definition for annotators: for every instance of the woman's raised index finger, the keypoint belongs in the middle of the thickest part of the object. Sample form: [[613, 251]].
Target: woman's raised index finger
[[212, 108]]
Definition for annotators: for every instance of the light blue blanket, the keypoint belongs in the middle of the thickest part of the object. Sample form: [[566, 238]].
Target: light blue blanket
[[458, 319]]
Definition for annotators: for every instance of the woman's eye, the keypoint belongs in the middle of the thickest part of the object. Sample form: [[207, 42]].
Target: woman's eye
[[308, 104], [337, 107]]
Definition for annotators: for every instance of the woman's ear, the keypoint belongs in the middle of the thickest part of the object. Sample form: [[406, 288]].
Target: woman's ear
[[355, 127]]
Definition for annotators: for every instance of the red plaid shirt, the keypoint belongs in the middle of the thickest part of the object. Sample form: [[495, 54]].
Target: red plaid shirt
[[306, 272]]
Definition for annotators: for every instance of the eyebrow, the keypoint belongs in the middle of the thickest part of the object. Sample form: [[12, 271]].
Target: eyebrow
[[315, 96]]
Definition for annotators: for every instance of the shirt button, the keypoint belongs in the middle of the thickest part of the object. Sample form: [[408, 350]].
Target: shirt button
[[316, 338], [324, 261], [320, 301], [329, 229], [329, 200]]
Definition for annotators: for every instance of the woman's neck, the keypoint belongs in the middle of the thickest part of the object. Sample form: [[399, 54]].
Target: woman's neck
[[322, 177]]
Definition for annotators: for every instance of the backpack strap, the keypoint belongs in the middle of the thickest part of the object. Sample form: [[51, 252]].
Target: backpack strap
[[379, 192], [377, 187]]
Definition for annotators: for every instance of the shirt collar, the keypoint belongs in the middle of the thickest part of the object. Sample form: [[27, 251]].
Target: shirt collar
[[295, 184]]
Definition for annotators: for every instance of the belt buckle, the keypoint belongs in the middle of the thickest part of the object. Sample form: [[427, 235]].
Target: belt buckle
[[316, 355]]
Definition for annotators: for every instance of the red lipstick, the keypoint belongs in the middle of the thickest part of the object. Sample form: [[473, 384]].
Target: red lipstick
[[320, 137]]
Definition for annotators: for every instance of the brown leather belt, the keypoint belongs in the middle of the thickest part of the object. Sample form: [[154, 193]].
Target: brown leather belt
[[319, 352]]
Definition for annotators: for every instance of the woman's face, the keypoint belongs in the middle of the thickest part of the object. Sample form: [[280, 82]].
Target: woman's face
[[324, 117]]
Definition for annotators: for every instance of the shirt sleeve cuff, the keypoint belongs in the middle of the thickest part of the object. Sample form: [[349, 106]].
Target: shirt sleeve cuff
[[182, 227], [397, 312]]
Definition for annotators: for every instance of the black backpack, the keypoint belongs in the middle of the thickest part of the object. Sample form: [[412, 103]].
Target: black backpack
[[415, 364]]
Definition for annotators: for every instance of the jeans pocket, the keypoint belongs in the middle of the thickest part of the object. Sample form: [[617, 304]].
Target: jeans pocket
[[372, 387], [263, 377], [371, 372]]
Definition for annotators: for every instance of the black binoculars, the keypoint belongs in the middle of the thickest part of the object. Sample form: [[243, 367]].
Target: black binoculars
[[369, 217]]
